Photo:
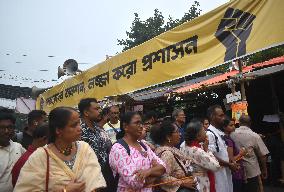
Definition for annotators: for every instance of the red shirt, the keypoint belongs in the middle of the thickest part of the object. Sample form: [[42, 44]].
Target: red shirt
[[20, 163]]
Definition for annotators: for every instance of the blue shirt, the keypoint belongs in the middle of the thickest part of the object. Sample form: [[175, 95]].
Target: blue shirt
[[181, 132]]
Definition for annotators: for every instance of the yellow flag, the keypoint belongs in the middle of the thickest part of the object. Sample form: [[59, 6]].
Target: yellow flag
[[233, 30]]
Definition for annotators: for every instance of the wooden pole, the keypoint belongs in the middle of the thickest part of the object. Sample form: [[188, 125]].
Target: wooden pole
[[242, 81]]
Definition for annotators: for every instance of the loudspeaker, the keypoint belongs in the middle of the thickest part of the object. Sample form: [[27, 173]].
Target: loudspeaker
[[37, 91], [71, 66], [60, 72]]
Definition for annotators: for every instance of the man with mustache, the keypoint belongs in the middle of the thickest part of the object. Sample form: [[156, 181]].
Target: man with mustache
[[113, 126], [217, 145], [10, 151], [91, 115]]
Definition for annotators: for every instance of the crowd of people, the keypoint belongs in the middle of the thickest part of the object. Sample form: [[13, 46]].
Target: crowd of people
[[95, 149]]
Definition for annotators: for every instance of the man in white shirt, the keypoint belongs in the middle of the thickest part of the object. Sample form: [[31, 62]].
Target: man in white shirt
[[113, 126], [10, 151], [223, 177]]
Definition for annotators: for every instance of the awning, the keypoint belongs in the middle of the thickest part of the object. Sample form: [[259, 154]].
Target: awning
[[225, 77], [160, 91], [13, 92], [266, 71]]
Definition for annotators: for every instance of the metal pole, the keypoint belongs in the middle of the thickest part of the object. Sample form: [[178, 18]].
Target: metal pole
[[242, 82]]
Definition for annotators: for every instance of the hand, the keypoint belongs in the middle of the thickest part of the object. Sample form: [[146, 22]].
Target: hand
[[234, 166], [233, 32], [190, 183], [205, 144], [141, 175], [243, 151], [154, 163], [74, 186], [150, 180], [147, 127], [264, 174]]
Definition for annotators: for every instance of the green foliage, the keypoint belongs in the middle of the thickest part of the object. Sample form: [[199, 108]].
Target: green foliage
[[265, 55], [142, 31]]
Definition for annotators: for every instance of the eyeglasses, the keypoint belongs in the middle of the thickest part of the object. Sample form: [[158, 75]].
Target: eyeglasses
[[138, 123]]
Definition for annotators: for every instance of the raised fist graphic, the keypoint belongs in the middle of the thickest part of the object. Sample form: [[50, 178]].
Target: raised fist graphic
[[233, 32]]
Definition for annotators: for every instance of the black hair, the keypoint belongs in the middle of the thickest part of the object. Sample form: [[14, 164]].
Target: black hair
[[41, 131], [227, 121], [196, 119], [85, 104], [35, 115], [160, 132], [205, 118], [211, 111], [168, 118], [125, 119], [149, 115], [105, 111], [58, 119], [192, 130], [7, 114], [113, 106]]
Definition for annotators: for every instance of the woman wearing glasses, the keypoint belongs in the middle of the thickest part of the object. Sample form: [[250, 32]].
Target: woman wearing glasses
[[132, 161]]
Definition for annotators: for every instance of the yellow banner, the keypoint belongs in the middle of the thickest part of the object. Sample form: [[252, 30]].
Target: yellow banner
[[232, 30]]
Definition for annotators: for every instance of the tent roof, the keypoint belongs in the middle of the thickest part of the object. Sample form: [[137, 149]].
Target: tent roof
[[226, 76]]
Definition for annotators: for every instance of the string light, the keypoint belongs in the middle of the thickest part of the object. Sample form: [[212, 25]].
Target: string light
[[24, 79]]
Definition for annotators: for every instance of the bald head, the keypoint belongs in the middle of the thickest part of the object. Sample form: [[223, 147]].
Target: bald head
[[245, 120]]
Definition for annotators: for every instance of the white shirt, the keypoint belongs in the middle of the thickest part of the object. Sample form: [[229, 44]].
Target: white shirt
[[9, 156], [111, 133], [223, 177]]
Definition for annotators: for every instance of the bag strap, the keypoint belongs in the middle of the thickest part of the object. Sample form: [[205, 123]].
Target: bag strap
[[47, 170], [177, 160], [143, 145], [216, 140], [112, 127], [126, 146]]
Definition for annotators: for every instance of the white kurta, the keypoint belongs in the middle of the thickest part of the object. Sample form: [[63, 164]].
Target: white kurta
[[223, 177], [8, 157]]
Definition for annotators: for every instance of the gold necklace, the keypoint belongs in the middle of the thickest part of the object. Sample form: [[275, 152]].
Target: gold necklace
[[67, 151]]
